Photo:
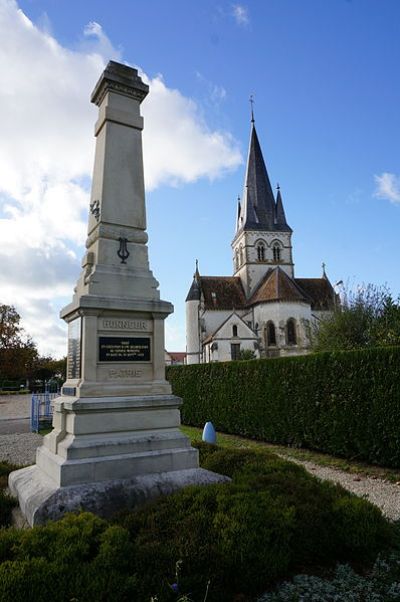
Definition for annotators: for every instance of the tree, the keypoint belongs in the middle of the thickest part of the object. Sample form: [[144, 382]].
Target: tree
[[47, 368], [247, 354], [17, 350], [367, 318]]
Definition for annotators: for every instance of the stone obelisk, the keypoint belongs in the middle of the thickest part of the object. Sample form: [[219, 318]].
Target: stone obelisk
[[116, 438]]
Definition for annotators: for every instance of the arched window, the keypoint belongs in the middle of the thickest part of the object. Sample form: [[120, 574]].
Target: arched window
[[260, 252], [276, 249], [291, 338], [234, 330], [271, 334], [241, 255]]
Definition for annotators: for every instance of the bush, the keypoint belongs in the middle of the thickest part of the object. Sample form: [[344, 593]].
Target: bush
[[343, 403], [381, 585], [80, 557], [7, 503], [240, 537]]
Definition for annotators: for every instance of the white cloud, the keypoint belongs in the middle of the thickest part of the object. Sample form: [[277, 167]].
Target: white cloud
[[388, 187], [46, 156], [240, 14]]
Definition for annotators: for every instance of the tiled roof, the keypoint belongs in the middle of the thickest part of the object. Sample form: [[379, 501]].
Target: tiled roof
[[320, 291], [222, 292], [277, 286]]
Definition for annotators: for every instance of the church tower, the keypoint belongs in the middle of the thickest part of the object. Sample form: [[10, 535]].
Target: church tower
[[263, 236]]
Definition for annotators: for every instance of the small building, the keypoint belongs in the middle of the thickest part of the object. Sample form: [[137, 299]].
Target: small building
[[263, 307], [175, 358]]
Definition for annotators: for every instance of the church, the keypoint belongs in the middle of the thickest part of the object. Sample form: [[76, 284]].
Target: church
[[263, 308]]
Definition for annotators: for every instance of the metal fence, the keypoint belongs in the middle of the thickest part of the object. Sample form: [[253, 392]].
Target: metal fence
[[42, 410]]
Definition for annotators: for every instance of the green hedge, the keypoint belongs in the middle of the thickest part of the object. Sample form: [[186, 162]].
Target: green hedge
[[343, 403]]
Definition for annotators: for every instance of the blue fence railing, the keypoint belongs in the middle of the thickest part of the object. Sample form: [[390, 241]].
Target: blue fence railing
[[41, 409]]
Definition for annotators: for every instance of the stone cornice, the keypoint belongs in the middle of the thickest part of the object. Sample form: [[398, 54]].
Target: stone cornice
[[119, 79]]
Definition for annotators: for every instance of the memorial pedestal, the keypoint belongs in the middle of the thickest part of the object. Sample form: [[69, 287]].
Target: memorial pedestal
[[116, 438]]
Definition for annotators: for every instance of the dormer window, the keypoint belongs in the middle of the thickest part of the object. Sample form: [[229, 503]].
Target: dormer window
[[276, 249], [261, 252]]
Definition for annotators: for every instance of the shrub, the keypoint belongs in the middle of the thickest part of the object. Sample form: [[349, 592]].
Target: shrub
[[240, 537], [381, 585], [7, 503], [80, 557], [343, 403]]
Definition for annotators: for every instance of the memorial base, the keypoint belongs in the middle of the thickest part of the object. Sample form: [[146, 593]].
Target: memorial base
[[41, 500]]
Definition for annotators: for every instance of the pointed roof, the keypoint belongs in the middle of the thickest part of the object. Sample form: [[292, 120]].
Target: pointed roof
[[280, 218], [237, 318], [259, 211], [278, 286], [194, 293]]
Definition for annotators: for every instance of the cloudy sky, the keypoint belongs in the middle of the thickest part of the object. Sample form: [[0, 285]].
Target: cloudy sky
[[326, 84]]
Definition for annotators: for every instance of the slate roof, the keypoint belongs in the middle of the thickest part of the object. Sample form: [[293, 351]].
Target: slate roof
[[222, 292], [278, 286], [259, 211], [194, 293], [320, 291]]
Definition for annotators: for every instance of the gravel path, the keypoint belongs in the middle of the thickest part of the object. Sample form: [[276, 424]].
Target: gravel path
[[20, 449], [15, 406], [383, 494]]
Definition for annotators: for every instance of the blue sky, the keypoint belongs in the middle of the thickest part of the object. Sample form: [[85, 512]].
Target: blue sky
[[325, 78]]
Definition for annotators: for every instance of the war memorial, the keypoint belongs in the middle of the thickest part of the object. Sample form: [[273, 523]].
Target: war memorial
[[116, 440]]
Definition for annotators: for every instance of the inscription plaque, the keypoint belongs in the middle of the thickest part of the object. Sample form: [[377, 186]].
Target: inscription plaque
[[124, 324], [74, 349], [124, 349]]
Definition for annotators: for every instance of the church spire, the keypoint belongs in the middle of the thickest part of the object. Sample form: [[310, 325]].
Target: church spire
[[280, 218], [258, 208]]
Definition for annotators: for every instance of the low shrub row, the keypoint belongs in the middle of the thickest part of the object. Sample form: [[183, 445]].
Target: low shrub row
[[7, 503], [382, 584], [343, 403], [236, 539]]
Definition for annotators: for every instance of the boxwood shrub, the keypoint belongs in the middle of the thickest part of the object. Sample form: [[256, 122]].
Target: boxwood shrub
[[343, 403], [238, 539]]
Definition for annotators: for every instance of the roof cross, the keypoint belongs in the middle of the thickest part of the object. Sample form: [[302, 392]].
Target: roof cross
[[251, 99]]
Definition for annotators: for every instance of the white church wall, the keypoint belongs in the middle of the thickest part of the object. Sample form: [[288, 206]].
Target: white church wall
[[213, 319], [233, 332], [279, 313]]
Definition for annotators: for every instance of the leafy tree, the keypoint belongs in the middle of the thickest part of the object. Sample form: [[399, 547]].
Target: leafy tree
[[368, 317], [247, 354], [18, 352], [47, 368]]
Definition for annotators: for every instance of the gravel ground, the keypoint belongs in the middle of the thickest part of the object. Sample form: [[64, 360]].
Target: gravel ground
[[20, 449], [383, 494], [15, 406]]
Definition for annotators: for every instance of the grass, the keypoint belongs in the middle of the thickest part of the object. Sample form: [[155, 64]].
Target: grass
[[350, 466]]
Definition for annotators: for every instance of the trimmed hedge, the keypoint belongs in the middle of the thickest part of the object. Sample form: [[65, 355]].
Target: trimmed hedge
[[343, 403]]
